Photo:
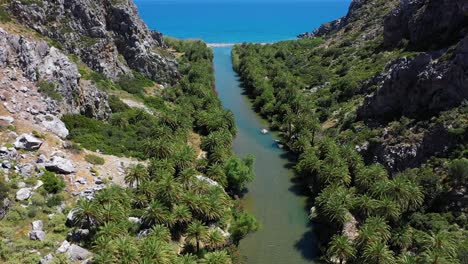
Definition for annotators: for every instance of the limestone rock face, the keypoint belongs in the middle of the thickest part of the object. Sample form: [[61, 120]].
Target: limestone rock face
[[426, 24], [107, 35], [422, 86], [40, 62]]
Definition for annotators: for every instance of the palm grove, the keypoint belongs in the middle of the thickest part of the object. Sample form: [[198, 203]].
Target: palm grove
[[310, 90], [175, 196]]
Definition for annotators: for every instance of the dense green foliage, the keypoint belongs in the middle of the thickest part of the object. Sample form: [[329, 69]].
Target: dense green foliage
[[310, 92], [52, 182], [171, 196]]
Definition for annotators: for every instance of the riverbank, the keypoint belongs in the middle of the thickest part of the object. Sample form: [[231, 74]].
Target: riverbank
[[275, 196]]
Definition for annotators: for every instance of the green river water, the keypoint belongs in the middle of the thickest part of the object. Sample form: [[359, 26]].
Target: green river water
[[275, 197]]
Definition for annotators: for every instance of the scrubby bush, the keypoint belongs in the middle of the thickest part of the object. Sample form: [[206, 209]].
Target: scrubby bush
[[52, 182], [94, 159], [49, 89]]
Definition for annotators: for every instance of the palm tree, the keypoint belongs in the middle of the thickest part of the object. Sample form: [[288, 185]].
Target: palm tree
[[157, 166], [340, 248], [112, 212], [377, 252], [197, 232], [215, 239], [439, 246], [186, 177], [373, 229], [387, 208], [86, 214], [168, 189], [156, 213], [113, 230], [160, 149], [403, 238], [147, 189], [125, 251], [187, 259], [333, 202], [309, 163], [367, 176], [155, 251], [217, 257], [366, 205], [216, 172], [184, 158], [215, 139], [406, 193], [406, 258], [136, 175], [181, 214], [161, 233]]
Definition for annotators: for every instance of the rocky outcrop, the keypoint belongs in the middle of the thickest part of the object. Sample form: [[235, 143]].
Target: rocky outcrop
[[107, 35], [426, 23], [51, 68], [356, 11], [420, 86]]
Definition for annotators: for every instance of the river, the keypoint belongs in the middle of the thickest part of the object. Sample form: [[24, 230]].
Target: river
[[274, 197]]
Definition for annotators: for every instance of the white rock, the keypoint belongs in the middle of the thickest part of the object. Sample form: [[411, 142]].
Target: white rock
[[53, 124], [264, 131], [63, 247], [27, 142], [60, 165], [47, 259], [37, 235], [5, 121], [38, 185], [76, 253], [208, 180], [37, 225], [21, 184], [23, 194]]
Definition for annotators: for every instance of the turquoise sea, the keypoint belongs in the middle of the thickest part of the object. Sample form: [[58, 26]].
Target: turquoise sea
[[234, 21]]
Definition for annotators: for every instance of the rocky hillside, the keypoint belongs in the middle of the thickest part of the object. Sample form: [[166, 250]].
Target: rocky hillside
[[109, 36], [374, 105]]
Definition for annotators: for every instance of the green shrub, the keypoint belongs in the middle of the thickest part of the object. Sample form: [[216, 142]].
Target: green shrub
[[52, 182], [49, 89], [94, 159], [4, 15], [116, 105], [135, 84], [54, 200]]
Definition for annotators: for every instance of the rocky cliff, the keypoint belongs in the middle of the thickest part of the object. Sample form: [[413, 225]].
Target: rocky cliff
[[108, 35], [36, 64]]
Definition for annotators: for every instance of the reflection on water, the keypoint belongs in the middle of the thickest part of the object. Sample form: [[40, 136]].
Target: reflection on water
[[275, 197]]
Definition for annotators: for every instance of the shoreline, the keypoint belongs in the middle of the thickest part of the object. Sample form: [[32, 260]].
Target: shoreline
[[218, 45]]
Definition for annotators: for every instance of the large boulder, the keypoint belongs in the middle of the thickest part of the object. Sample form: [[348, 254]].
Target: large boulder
[[60, 165], [77, 253], [23, 194], [37, 235], [27, 142], [53, 124]]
